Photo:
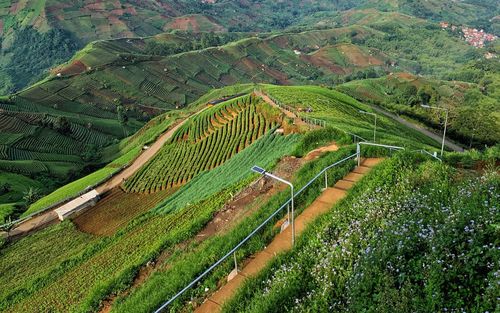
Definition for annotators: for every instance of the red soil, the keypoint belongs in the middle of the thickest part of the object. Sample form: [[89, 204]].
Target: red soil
[[358, 57], [115, 210], [77, 67], [185, 23], [319, 59]]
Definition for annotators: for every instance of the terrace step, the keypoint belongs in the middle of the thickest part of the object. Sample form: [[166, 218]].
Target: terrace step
[[344, 184], [282, 242], [361, 169], [371, 162], [354, 177]]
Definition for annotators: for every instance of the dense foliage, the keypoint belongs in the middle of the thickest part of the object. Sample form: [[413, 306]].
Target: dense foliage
[[33, 53], [409, 238], [473, 107]]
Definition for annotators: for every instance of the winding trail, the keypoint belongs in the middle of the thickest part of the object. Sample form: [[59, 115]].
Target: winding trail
[[420, 129], [50, 217], [140, 161]]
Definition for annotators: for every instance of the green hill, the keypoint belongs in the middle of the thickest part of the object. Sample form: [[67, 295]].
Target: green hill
[[110, 88], [474, 114], [189, 206], [36, 35]]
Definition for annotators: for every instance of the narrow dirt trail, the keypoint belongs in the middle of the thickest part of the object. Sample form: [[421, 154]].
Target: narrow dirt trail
[[282, 242], [287, 113], [50, 217], [140, 161]]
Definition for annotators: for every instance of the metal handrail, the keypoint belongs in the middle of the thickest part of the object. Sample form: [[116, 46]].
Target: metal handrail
[[428, 153], [358, 148], [227, 255]]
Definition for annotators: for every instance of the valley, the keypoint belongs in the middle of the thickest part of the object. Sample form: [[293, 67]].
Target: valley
[[249, 156]]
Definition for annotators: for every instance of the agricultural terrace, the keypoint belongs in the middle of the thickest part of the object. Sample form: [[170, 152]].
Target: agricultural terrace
[[78, 278], [53, 140], [128, 149], [205, 142], [341, 111], [81, 270]]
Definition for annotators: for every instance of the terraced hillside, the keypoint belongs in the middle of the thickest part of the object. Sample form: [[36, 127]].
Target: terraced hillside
[[206, 142], [82, 272], [54, 141], [48, 32], [145, 73]]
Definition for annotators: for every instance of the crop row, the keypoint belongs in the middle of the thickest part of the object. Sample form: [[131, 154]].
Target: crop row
[[119, 257], [70, 281], [154, 89], [50, 142], [89, 136], [210, 120], [23, 167], [11, 124], [10, 153], [180, 161]]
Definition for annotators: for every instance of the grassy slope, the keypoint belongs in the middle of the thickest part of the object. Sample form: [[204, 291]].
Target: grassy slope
[[456, 96], [180, 79], [396, 243], [88, 270], [121, 73], [342, 112], [129, 148], [110, 261]]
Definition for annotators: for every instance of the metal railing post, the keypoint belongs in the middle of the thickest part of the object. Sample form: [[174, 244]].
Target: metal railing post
[[358, 153], [326, 179]]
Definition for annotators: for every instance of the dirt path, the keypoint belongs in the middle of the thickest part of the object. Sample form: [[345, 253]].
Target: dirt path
[[288, 114], [49, 217], [420, 129], [145, 156], [282, 242], [241, 206]]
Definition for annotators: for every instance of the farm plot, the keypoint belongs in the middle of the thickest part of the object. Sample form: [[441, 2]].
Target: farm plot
[[107, 265], [10, 124], [342, 111], [115, 210], [204, 143], [48, 141]]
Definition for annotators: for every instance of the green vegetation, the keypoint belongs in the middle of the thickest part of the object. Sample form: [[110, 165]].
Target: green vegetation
[[129, 149], [342, 112], [108, 264], [264, 152], [474, 113], [33, 53], [12, 189], [205, 142], [413, 235], [185, 265], [402, 240]]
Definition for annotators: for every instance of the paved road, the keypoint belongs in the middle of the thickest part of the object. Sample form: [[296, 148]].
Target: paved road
[[420, 129]]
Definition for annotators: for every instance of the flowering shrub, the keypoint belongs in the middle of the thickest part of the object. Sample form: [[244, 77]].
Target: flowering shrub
[[408, 238]]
